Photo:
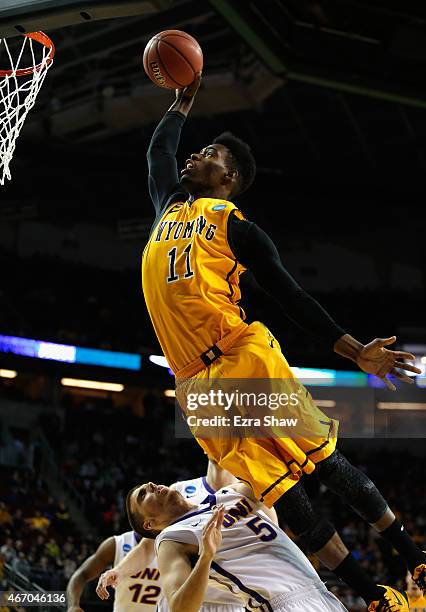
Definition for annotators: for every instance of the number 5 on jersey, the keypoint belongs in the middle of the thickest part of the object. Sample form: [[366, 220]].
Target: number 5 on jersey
[[172, 255], [265, 532]]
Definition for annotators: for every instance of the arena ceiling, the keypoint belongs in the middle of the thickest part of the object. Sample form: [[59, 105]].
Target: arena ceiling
[[371, 48]]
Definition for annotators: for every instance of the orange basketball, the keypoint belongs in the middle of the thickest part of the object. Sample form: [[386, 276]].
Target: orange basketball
[[172, 58]]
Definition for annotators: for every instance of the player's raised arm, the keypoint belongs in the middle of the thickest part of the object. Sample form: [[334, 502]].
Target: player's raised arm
[[163, 179], [89, 570], [255, 250], [184, 586], [140, 556]]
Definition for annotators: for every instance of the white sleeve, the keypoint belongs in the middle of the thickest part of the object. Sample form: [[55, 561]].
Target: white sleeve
[[182, 535]]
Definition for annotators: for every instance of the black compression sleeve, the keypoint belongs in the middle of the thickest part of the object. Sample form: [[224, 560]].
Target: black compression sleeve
[[255, 250], [163, 179]]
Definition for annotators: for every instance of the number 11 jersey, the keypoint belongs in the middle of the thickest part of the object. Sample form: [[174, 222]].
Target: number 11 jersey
[[190, 279]]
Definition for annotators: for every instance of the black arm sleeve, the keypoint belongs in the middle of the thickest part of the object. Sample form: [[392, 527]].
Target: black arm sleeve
[[163, 178], [255, 250]]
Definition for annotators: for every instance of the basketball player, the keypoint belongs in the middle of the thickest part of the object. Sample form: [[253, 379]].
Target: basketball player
[[141, 591], [138, 587], [227, 541], [199, 246], [416, 599]]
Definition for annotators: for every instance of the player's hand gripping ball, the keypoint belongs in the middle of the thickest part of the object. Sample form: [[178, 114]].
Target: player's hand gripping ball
[[172, 59]]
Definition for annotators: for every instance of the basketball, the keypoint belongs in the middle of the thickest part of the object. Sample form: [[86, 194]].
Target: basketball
[[172, 58]]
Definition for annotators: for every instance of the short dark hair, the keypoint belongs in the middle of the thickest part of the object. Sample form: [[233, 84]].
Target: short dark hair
[[241, 158], [136, 520]]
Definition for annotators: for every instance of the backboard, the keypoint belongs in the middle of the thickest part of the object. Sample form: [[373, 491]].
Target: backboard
[[23, 16]]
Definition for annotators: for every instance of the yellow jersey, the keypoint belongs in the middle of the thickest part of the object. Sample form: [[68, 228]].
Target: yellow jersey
[[417, 604], [190, 279]]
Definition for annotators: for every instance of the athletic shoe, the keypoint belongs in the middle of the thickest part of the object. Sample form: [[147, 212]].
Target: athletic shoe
[[391, 601]]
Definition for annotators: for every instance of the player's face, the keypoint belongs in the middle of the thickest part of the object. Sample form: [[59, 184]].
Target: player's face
[[207, 169], [412, 588], [157, 504]]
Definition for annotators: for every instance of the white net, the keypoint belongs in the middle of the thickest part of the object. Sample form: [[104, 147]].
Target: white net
[[26, 67]]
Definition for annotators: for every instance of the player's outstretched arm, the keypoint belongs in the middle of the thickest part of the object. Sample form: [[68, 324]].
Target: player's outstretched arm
[[163, 178], [89, 570], [185, 587], [140, 556], [374, 358], [255, 250]]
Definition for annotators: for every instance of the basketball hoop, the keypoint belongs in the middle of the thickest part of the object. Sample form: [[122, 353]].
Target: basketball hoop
[[17, 94]]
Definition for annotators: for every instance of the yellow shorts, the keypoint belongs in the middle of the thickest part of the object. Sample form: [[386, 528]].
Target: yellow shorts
[[271, 465]]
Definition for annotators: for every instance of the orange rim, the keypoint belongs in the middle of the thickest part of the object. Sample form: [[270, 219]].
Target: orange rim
[[43, 39]]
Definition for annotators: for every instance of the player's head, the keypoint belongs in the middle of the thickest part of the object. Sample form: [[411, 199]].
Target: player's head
[[227, 166], [150, 508], [412, 589]]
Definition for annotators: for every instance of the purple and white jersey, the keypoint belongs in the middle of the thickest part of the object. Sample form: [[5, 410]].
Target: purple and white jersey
[[198, 490], [256, 562], [140, 592]]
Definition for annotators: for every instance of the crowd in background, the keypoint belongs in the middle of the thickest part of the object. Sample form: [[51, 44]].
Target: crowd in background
[[119, 450], [38, 538]]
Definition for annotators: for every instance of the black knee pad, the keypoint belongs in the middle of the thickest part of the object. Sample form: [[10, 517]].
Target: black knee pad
[[296, 510], [317, 536], [353, 486]]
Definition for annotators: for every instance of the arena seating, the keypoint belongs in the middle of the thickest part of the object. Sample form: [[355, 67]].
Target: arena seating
[[37, 535], [116, 452]]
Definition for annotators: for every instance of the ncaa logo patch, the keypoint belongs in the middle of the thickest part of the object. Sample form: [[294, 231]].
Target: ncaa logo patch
[[190, 490], [219, 207], [126, 548]]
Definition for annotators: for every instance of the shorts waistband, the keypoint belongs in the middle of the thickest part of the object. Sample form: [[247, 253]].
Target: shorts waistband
[[213, 353], [286, 598]]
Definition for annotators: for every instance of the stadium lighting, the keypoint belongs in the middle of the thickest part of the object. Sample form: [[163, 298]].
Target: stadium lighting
[[159, 360], [170, 393], [92, 384], [8, 374], [312, 373], [401, 406], [39, 349], [325, 403]]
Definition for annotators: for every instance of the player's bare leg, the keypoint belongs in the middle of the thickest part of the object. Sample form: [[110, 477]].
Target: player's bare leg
[[333, 553]]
